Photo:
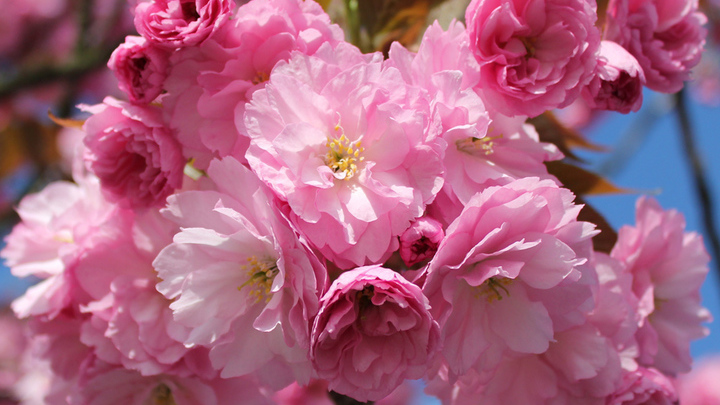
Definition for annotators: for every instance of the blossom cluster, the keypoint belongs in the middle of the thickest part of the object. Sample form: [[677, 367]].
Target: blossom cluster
[[271, 214]]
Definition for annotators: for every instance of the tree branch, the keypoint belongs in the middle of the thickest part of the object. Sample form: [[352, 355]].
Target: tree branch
[[702, 187]]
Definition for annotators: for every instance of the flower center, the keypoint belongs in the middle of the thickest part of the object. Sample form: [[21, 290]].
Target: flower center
[[260, 77], [343, 154], [161, 395], [493, 288], [189, 11], [475, 146], [261, 274]]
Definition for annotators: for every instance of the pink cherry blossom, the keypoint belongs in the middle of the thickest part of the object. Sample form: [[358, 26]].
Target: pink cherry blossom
[[495, 281], [104, 384], [349, 146], [534, 55], [665, 36], [209, 84], [644, 386], [420, 241], [260, 285], [138, 161], [619, 81], [373, 331], [178, 23], [700, 387], [58, 226], [668, 266], [140, 68], [484, 148]]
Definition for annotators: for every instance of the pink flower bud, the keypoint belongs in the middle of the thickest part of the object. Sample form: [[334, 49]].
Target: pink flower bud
[[140, 68], [619, 80], [420, 241]]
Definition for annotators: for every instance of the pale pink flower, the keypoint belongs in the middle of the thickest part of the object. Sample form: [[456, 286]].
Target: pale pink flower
[[350, 147], [700, 386], [420, 241], [178, 23], [668, 266], [140, 68], [644, 386], [618, 82], [534, 55], [483, 148], [134, 155], [104, 384], [373, 331], [58, 226], [132, 326], [507, 276], [665, 36], [209, 85], [240, 279]]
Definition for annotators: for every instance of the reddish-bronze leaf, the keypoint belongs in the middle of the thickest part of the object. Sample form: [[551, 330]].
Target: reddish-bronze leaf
[[66, 122], [605, 240], [553, 131], [581, 181]]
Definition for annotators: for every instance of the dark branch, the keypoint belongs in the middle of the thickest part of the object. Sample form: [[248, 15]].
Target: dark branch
[[340, 399], [698, 172]]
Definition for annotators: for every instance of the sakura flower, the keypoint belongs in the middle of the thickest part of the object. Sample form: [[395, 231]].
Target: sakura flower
[[129, 148], [373, 331], [484, 148], [495, 281], [699, 387], [668, 266], [644, 386], [534, 55], [58, 226], [259, 284], [420, 241], [351, 149], [209, 84], [103, 384], [619, 80], [178, 23], [140, 68], [665, 36]]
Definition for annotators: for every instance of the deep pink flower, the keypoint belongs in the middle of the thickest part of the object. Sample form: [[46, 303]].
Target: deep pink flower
[[351, 148], [700, 387], [665, 36], [420, 241], [618, 83], [260, 285], [178, 23], [644, 386], [668, 266], [140, 68], [507, 276], [138, 161], [534, 55], [373, 331]]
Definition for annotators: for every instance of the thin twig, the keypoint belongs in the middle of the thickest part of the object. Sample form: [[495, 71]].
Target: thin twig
[[340, 399], [698, 171]]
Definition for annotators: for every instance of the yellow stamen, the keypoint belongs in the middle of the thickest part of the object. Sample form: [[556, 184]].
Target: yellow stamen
[[343, 154], [261, 276], [473, 145], [491, 288], [161, 395]]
